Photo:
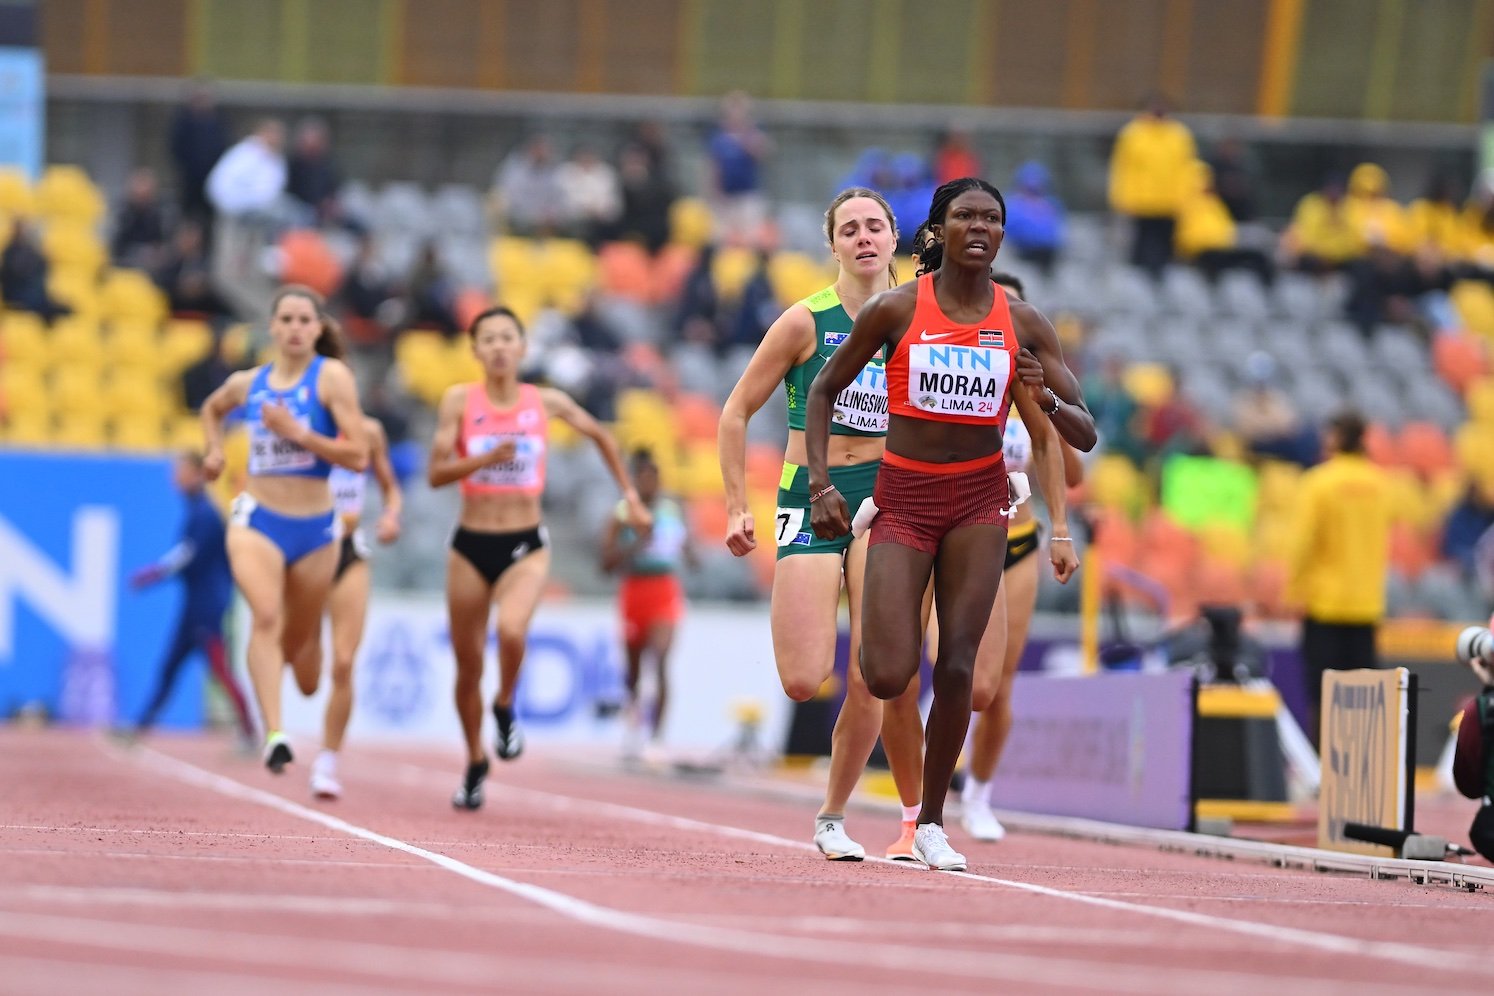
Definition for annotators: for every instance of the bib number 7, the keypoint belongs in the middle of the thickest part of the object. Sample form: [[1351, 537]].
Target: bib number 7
[[788, 521]]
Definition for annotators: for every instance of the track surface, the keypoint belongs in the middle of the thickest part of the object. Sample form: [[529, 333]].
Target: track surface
[[180, 868]]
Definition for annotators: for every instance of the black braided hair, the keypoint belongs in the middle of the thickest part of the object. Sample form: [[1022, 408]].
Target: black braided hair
[[930, 251]]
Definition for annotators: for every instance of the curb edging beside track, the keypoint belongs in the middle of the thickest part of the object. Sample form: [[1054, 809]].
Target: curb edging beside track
[[1468, 877]]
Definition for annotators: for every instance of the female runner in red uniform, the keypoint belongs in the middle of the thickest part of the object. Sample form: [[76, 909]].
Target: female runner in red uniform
[[942, 491]]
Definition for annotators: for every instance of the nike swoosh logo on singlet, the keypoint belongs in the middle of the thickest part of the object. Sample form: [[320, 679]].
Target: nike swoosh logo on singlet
[[924, 335]]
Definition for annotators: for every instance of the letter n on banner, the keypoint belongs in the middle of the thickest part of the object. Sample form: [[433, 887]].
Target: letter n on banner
[[1368, 727]]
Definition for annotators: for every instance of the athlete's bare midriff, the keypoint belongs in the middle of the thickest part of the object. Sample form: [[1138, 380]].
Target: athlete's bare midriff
[[845, 451], [500, 513], [941, 442], [295, 496]]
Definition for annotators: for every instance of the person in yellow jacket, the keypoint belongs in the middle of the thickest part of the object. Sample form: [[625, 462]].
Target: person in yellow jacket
[[1321, 236], [1378, 219], [1340, 555], [1436, 221], [1148, 179], [1206, 234]]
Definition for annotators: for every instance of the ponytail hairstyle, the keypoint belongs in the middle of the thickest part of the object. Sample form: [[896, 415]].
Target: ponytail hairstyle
[[850, 193], [931, 253], [497, 311], [329, 341]]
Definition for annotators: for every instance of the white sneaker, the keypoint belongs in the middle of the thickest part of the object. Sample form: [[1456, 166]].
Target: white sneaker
[[655, 755], [979, 822], [830, 837], [931, 846], [324, 783]]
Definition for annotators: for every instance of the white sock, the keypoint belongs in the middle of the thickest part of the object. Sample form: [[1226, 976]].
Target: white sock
[[327, 758], [976, 791], [910, 813]]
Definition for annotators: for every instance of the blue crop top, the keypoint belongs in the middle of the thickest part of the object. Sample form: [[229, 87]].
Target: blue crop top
[[273, 455]]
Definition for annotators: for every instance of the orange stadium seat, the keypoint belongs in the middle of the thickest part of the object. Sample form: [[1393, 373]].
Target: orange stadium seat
[[470, 303], [1426, 449], [1380, 446], [624, 269], [1266, 588], [1459, 359], [1411, 551], [708, 519], [696, 417], [306, 259], [1116, 538], [671, 267]]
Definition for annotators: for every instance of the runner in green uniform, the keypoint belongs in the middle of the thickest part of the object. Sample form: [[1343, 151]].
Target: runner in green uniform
[[807, 584]]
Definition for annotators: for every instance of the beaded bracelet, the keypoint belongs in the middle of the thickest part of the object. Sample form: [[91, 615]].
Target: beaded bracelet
[[821, 493], [1060, 539]]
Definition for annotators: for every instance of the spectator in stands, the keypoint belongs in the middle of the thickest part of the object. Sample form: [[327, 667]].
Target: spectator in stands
[[650, 139], [247, 190], [592, 193], [1340, 555], [1436, 219], [433, 294], [1174, 425], [954, 158], [1478, 230], [646, 197], [1266, 419], [527, 187], [1113, 408], [1035, 217], [1321, 237], [1147, 174], [370, 299], [1206, 233], [1234, 180], [140, 228], [1465, 530], [208, 374], [758, 308], [737, 150], [199, 136], [699, 316], [186, 275], [313, 178], [23, 275], [1375, 217]]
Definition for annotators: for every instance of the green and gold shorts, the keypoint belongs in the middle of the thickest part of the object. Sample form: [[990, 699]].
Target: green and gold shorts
[[791, 527]]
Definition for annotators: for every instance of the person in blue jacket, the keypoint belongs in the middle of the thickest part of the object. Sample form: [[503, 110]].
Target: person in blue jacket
[[200, 561]]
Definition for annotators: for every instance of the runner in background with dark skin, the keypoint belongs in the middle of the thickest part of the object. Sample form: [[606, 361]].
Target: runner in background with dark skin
[[942, 492], [200, 560], [651, 600], [492, 436]]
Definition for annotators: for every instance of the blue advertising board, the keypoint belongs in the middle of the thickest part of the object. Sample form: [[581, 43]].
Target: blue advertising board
[[74, 639]]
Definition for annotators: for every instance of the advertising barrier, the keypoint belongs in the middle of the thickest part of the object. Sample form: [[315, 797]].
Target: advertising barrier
[[74, 640], [571, 683], [1114, 747]]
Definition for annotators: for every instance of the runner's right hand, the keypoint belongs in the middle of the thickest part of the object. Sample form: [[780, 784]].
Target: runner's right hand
[[830, 516], [741, 534], [212, 463], [502, 453]]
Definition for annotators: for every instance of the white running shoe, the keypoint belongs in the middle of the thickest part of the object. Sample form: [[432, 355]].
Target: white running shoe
[[979, 822], [931, 846], [830, 837], [324, 783]]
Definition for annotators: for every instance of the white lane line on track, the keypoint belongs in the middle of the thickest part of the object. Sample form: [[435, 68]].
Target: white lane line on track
[[239, 902], [1071, 972], [232, 859], [27, 973], [1408, 954]]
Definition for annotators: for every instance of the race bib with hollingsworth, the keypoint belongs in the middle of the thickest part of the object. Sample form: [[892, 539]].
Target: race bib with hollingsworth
[[863, 404], [271, 453], [522, 470], [958, 380]]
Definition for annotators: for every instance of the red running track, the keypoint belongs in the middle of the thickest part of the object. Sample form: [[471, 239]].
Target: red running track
[[181, 868]]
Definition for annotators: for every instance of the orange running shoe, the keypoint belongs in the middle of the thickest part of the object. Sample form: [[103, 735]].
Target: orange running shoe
[[902, 850]]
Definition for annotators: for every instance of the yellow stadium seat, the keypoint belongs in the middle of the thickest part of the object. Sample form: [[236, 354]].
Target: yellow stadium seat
[[77, 341], [77, 287], [1474, 444], [65, 191], [1149, 383], [24, 339], [515, 261], [1473, 300], [16, 196], [690, 222], [526, 302], [795, 276], [1116, 484], [1273, 537], [183, 343], [84, 430], [569, 271], [29, 429], [1226, 544], [731, 269], [139, 433], [1480, 401], [644, 419], [131, 296], [1279, 483], [132, 392], [23, 389], [700, 471], [72, 245], [135, 346], [562, 436]]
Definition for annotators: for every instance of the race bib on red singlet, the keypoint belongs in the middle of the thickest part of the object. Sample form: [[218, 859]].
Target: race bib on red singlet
[[522, 470], [863, 404], [958, 380]]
